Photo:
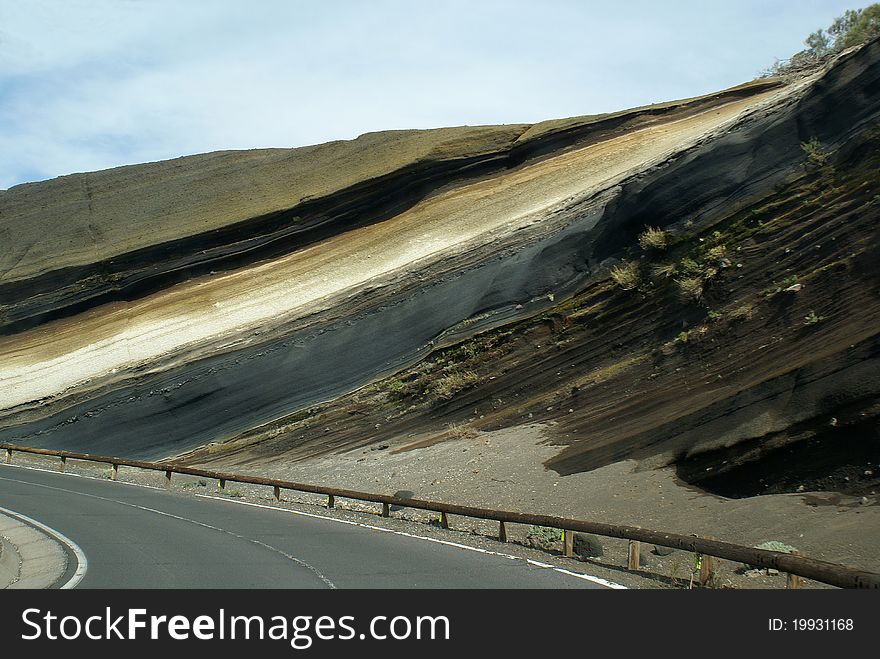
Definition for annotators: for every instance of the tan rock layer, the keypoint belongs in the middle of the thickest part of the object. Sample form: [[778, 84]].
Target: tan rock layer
[[76, 242]]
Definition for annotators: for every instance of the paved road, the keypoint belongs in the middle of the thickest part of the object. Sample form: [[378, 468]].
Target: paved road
[[136, 537]]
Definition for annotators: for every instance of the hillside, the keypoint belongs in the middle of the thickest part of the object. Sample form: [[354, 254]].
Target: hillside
[[356, 311]]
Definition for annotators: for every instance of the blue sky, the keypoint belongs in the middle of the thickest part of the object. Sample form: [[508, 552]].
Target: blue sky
[[91, 84]]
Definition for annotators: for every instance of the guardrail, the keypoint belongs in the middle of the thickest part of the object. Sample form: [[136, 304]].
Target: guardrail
[[794, 565]]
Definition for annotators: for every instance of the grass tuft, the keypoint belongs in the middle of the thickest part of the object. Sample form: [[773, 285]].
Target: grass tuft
[[653, 238], [690, 289], [627, 276], [452, 383]]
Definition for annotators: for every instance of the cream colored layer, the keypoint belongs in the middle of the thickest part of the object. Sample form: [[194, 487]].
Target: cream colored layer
[[58, 356]]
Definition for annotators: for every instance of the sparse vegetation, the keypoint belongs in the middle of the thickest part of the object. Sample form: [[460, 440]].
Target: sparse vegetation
[[447, 372], [717, 254], [694, 269], [545, 533], [460, 431], [653, 238], [690, 289], [627, 275], [688, 266], [742, 312], [664, 270], [811, 318], [854, 27], [817, 156], [775, 289], [452, 383]]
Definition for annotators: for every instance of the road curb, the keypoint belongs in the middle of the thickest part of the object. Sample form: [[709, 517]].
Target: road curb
[[31, 559], [10, 563]]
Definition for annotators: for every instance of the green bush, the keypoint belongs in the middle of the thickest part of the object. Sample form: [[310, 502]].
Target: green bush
[[545, 533]]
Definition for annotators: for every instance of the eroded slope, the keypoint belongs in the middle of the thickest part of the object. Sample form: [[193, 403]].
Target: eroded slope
[[216, 357]]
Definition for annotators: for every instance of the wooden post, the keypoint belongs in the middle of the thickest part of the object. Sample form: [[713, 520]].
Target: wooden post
[[794, 580], [167, 479], [635, 549], [277, 492], [114, 474], [444, 521], [9, 456], [331, 501], [707, 567], [63, 464], [502, 532], [568, 543], [386, 510]]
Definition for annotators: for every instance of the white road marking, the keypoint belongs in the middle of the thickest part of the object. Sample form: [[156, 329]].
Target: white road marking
[[294, 559], [448, 543], [82, 562]]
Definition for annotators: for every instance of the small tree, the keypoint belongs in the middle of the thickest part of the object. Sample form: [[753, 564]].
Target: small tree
[[819, 44], [854, 27]]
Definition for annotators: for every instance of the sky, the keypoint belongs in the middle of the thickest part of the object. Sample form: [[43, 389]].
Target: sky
[[92, 84]]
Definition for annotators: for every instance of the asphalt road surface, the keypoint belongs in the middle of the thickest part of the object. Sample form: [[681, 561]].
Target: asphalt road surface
[[137, 537]]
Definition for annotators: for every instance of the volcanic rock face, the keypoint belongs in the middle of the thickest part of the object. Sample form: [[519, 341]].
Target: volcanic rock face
[[150, 310]]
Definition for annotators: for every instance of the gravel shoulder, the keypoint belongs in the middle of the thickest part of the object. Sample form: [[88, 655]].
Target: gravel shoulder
[[820, 525], [505, 470]]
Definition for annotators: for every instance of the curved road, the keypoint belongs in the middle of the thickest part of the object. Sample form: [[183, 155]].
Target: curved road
[[138, 537]]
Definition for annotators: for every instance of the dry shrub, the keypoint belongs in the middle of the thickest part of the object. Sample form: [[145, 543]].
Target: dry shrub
[[653, 238], [690, 288], [626, 275]]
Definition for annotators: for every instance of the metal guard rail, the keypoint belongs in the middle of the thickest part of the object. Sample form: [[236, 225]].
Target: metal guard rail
[[810, 568]]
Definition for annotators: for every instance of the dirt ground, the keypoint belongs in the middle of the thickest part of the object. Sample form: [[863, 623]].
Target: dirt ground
[[504, 470], [825, 526]]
